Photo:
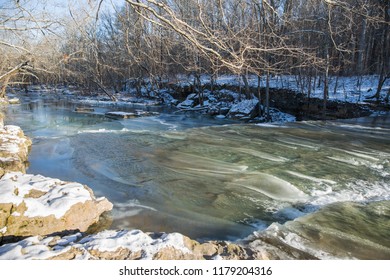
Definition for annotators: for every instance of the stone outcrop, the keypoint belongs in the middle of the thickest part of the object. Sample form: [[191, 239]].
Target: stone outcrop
[[14, 149], [124, 245], [245, 109], [37, 205]]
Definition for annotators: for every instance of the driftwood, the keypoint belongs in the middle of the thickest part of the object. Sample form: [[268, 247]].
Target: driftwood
[[7, 76], [113, 98]]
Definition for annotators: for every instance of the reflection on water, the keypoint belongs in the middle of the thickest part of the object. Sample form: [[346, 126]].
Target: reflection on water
[[322, 182]]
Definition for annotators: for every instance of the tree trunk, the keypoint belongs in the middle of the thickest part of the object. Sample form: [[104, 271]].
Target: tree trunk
[[362, 47], [246, 84], [259, 95], [326, 84], [7, 76], [268, 116]]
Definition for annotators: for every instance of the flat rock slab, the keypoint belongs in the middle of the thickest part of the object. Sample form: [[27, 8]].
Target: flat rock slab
[[84, 109], [129, 115], [38, 205]]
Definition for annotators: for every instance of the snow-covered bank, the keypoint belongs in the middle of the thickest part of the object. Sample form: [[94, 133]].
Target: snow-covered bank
[[351, 89], [33, 204], [137, 245], [291, 98], [129, 245]]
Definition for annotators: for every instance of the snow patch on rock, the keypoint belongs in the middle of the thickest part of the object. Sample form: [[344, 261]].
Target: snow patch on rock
[[57, 196]]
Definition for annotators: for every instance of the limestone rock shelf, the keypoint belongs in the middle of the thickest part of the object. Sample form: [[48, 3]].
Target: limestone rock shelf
[[37, 205]]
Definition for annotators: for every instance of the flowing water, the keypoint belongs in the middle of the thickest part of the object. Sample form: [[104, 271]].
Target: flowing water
[[321, 187]]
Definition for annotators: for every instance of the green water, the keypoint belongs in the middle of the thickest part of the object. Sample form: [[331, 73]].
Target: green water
[[323, 186]]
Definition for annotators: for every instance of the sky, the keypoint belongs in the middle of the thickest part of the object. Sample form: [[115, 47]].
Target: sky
[[61, 8]]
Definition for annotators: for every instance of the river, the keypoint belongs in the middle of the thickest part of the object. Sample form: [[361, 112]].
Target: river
[[326, 184]]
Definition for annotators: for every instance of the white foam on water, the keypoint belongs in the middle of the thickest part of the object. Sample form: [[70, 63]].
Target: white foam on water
[[176, 136], [359, 154], [358, 191], [360, 127], [170, 126], [350, 161], [314, 179], [130, 208], [292, 142], [199, 164], [270, 186], [294, 240], [103, 130], [378, 167], [262, 155]]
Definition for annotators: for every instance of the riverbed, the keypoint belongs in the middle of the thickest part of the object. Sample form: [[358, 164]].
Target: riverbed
[[216, 179]]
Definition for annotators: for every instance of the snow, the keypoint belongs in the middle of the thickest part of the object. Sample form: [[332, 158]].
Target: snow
[[105, 241], [134, 240], [244, 107], [186, 103], [121, 114], [33, 248], [9, 139], [351, 89], [3, 230], [57, 196]]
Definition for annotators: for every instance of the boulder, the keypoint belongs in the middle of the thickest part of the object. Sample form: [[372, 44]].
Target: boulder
[[14, 149], [37, 205], [244, 109]]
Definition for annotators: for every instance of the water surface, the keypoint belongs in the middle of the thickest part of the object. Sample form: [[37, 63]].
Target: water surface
[[324, 183]]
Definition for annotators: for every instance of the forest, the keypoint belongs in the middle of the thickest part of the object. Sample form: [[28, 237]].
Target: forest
[[197, 130], [109, 44]]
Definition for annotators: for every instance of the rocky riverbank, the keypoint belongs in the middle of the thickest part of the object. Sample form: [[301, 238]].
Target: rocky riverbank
[[34, 204]]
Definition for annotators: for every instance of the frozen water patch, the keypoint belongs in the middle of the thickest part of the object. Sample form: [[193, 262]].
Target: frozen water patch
[[103, 130], [359, 192]]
